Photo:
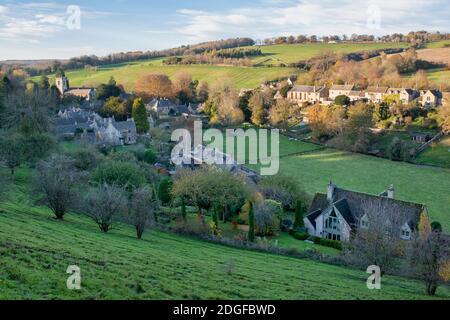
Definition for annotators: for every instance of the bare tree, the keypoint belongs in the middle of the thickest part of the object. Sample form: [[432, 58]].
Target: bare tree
[[378, 243], [428, 257], [143, 209], [56, 183], [103, 203]]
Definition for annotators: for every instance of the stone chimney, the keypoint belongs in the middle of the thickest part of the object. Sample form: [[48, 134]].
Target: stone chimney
[[391, 192], [330, 192]]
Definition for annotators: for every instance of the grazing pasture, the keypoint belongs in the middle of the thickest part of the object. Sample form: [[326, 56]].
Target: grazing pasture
[[36, 251]]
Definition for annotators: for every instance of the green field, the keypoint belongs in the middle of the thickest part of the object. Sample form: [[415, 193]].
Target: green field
[[421, 184], [437, 44], [297, 52], [437, 155], [36, 251], [439, 75], [128, 74]]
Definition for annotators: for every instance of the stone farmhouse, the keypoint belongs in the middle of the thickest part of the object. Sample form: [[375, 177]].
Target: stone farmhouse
[[166, 107], [92, 128], [338, 90], [62, 83], [339, 213], [312, 94]]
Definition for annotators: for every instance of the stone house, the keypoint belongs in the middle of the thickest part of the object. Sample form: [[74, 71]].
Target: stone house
[[430, 98], [62, 83], [376, 94], [311, 94], [339, 90], [337, 214]]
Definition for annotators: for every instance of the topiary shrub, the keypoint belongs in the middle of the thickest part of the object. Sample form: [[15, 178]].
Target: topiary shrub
[[164, 188]]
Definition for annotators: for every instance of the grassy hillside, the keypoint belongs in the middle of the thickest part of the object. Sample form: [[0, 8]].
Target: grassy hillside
[[297, 52], [128, 74], [437, 155], [36, 251]]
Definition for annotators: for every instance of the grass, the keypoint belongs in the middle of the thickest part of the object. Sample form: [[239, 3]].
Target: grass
[[421, 184], [36, 251], [437, 155], [439, 75], [298, 52], [128, 74], [437, 44]]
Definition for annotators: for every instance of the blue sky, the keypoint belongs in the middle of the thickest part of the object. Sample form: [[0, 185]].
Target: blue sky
[[37, 30]]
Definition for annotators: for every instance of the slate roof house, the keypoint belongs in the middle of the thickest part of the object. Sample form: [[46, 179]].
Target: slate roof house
[[340, 212], [430, 98], [168, 107], [104, 130]]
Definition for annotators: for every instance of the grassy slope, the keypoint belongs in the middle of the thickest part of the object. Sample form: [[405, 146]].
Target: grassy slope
[[373, 175], [437, 155], [437, 44], [127, 74], [298, 52], [36, 251]]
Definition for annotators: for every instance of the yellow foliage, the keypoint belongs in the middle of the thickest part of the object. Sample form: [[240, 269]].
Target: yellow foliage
[[424, 225], [444, 271]]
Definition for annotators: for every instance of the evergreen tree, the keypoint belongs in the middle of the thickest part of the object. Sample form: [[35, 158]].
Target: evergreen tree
[[183, 209], [298, 223], [251, 223], [139, 114]]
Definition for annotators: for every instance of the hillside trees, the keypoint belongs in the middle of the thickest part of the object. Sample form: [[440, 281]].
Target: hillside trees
[[184, 88], [11, 151], [444, 117], [56, 184], [139, 114], [280, 114], [110, 89], [115, 107], [257, 106], [154, 85], [103, 203], [283, 189], [357, 128], [143, 209], [126, 175], [429, 255]]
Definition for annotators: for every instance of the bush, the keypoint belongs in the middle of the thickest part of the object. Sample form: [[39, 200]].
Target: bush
[[149, 156], [86, 159], [342, 100], [327, 243], [300, 235], [164, 189], [267, 218], [128, 176]]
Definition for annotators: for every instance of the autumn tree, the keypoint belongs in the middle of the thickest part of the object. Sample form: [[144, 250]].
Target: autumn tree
[[115, 107], [444, 117], [280, 114], [183, 87], [256, 105], [429, 256], [154, 85], [357, 130], [228, 111], [139, 114]]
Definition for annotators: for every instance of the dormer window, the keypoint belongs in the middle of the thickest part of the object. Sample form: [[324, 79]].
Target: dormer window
[[364, 223], [405, 232]]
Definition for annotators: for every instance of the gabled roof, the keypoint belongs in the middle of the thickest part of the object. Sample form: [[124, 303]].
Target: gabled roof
[[313, 216], [353, 205], [343, 87], [377, 89], [302, 88]]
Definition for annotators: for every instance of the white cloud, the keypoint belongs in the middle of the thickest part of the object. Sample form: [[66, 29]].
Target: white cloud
[[322, 17]]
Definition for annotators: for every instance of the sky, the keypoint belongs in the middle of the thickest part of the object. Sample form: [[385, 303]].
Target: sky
[[64, 29]]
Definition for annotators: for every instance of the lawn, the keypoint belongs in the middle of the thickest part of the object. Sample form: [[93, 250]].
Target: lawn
[[421, 184], [36, 251], [438, 44], [437, 155], [439, 75], [298, 52], [128, 74]]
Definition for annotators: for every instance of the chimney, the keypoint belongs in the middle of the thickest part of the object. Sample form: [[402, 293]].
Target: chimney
[[330, 192], [391, 192]]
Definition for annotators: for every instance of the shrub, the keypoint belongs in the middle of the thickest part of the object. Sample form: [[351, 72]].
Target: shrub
[[149, 156], [164, 190], [342, 100], [87, 159], [300, 235], [267, 218], [299, 210], [128, 176]]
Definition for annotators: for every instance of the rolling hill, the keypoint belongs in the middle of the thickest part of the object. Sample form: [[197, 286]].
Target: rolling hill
[[36, 251]]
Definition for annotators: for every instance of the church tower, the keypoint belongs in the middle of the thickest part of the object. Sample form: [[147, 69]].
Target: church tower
[[62, 84]]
